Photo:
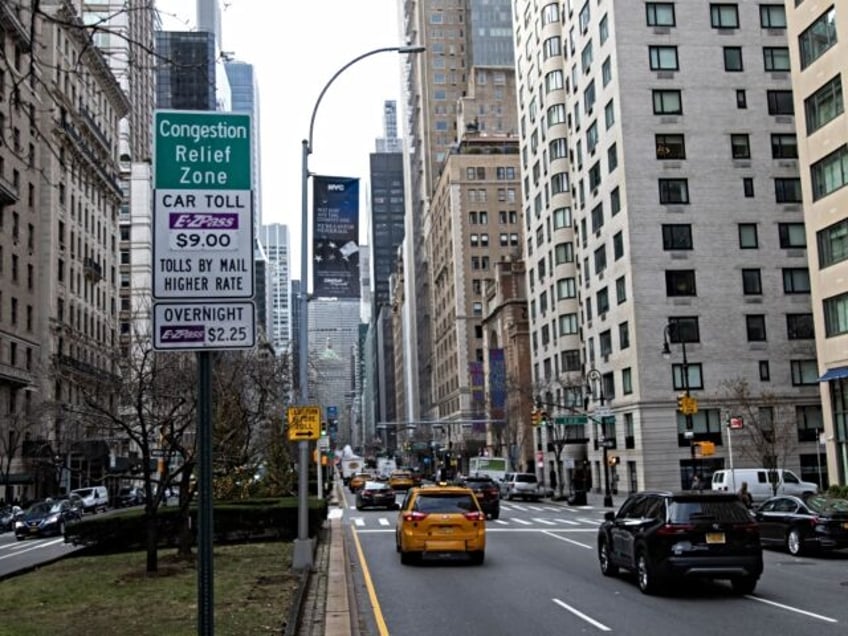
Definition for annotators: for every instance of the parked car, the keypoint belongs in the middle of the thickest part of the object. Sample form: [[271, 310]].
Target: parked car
[[8, 516], [440, 520], [523, 486], [762, 482], [376, 494], [664, 536], [130, 496], [94, 498], [806, 525], [487, 492], [46, 518]]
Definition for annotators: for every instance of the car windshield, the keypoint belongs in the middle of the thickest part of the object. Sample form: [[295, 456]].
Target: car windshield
[[476, 482], [42, 508], [686, 510], [445, 502], [375, 485], [84, 493], [827, 504], [527, 479]]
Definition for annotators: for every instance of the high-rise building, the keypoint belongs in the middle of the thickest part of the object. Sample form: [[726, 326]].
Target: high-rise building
[[276, 242], [663, 211], [186, 81], [818, 37], [459, 36], [244, 92]]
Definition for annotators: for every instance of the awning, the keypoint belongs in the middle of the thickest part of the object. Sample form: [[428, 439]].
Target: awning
[[835, 374]]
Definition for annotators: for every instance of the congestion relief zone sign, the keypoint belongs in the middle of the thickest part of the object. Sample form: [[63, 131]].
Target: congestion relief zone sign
[[203, 231]]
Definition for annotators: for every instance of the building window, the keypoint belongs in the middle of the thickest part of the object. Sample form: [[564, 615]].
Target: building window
[[617, 246], [800, 327], [600, 257], [564, 253], [780, 103], [674, 191], [752, 284], [787, 190], [772, 16], [748, 236], [626, 382], [603, 29], [597, 216], [741, 99], [796, 280], [724, 16], [606, 72], [615, 201], [568, 324], [832, 242], [663, 58], [830, 173], [660, 14], [670, 146], [818, 37], [602, 301], [677, 236], [609, 114], [824, 105], [740, 146], [755, 325], [784, 146], [624, 335], [804, 372], [695, 378], [748, 187], [680, 282], [562, 218], [776, 59], [612, 158], [733, 59], [566, 288], [620, 290], [836, 315], [765, 373], [667, 102], [792, 235]]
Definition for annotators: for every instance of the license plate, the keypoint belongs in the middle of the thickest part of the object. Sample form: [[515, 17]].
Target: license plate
[[715, 537], [446, 530]]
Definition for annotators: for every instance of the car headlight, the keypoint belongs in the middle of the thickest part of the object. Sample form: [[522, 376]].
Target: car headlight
[[19, 524], [52, 519]]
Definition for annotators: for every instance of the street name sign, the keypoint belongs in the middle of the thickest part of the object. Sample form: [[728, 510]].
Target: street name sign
[[203, 232], [304, 423]]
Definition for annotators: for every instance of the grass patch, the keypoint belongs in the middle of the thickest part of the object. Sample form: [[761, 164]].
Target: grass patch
[[254, 591]]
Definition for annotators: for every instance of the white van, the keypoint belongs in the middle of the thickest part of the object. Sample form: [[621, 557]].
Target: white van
[[760, 482], [94, 498]]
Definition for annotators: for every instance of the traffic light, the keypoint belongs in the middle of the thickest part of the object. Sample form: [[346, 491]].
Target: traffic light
[[681, 402], [536, 417], [707, 448], [686, 404]]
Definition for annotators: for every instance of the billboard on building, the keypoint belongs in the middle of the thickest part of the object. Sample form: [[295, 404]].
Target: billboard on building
[[335, 237], [497, 387]]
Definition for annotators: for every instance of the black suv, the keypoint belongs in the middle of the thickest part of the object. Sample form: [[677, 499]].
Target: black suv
[[664, 535], [487, 492]]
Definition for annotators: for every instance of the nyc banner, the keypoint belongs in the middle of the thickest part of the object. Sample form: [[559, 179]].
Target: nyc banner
[[335, 237]]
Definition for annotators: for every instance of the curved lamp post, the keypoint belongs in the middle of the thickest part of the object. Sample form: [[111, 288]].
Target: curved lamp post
[[302, 557], [592, 376]]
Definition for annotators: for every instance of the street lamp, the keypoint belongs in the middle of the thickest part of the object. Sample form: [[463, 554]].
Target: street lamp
[[672, 331], [302, 557], [593, 375]]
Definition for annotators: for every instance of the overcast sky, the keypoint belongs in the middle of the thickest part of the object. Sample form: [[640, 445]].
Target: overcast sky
[[295, 47]]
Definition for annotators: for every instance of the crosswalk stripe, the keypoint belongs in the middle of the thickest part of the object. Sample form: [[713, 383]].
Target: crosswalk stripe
[[544, 522], [590, 521], [568, 522], [384, 522], [359, 521], [523, 522]]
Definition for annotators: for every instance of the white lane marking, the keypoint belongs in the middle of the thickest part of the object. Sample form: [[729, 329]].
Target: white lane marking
[[523, 522], [335, 513], [500, 521], [580, 614], [551, 508], [595, 522], [384, 522], [544, 522], [517, 507], [568, 522], [789, 608], [359, 521], [33, 547], [567, 540], [535, 508]]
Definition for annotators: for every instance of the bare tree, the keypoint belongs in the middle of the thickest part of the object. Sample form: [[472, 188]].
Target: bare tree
[[770, 432], [18, 426]]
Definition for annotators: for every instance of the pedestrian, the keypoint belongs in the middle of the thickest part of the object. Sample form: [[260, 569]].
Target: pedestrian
[[696, 482], [745, 495]]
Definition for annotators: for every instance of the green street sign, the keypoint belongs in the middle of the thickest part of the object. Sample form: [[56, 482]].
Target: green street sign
[[202, 150], [571, 420]]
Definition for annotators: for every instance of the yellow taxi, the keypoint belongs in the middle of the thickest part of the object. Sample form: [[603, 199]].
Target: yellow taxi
[[401, 480], [358, 481], [440, 520]]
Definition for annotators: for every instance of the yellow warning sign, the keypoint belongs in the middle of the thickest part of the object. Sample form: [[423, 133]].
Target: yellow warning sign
[[304, 422]]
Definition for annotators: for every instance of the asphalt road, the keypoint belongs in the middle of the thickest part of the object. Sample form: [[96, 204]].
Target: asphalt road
[[541, 576], [21, 555]]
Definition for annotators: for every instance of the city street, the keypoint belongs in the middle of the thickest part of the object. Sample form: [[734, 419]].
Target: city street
[[541, 576], [18, 555]]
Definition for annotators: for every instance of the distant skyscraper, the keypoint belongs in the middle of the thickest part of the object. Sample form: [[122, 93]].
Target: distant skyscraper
[[277, 246], [244, 93], [390, 142], [186, 79]]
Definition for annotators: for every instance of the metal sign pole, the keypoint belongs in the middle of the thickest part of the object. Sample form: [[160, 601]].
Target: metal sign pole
[[205, 602]]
